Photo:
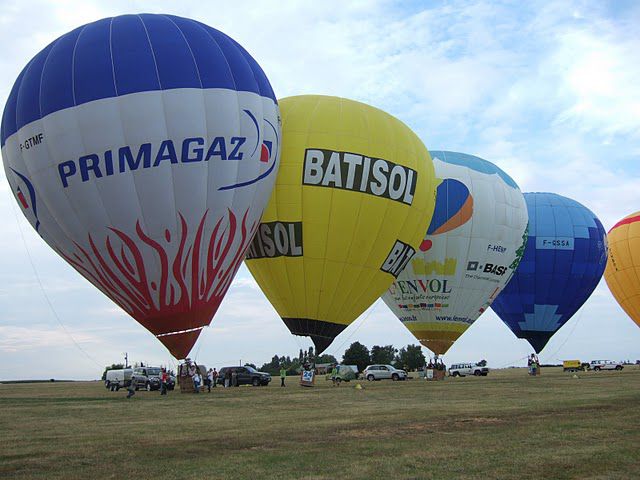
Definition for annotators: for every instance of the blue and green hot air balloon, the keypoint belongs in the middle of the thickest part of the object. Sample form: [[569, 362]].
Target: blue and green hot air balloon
[[563, 261]]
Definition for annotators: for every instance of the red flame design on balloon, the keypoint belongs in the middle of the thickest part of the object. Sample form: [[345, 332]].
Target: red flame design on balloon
[[188, 292]]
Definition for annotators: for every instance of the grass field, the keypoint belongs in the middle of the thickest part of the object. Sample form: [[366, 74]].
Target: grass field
[[507, 425]]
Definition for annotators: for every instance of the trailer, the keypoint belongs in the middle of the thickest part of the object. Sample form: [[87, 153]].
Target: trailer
[[118, 378], [572, 366]]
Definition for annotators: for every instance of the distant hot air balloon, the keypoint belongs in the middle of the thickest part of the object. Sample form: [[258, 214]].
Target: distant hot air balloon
[[623, 268], [562, 264], [353, 197], [470, 250], [143, 149]]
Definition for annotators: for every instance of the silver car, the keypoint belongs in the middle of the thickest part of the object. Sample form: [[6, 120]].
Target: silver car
[[382, 372]]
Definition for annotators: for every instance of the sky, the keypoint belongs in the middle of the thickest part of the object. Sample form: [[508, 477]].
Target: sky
[[548, 91]]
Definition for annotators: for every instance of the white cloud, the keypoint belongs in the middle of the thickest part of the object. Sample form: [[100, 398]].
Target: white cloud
[[36, 337], [600, 81]]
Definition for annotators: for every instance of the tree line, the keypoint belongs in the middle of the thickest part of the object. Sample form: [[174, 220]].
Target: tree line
[[293, 365], [407, 358]]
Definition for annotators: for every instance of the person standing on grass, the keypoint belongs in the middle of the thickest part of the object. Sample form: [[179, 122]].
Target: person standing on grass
[[164, 379], [334, 375], [535, 364], [209, 379], [227, 378], [131, 389], [214, 375], [283, 375]]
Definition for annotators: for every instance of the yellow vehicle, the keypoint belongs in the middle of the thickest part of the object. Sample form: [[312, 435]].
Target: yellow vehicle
[[572, 365]]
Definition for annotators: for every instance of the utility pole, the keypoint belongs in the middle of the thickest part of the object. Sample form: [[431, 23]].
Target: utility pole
[[126, 360]]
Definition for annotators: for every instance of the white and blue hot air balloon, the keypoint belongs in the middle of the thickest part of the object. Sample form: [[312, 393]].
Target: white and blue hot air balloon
[[143, 149], [469, 252]]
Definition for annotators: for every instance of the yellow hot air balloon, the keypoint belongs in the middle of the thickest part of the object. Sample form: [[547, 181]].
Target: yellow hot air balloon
[[623, 266], [354, 195]]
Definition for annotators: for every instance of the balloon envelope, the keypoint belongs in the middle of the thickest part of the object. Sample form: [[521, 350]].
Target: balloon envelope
[[623, 266], [563, 262], [353, 197], [470, 250], [143, 149]]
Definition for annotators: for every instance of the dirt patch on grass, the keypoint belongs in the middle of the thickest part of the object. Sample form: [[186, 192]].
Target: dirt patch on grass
[[444, 425], [481, 420]]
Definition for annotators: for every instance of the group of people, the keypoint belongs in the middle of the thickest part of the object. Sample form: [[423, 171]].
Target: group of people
[[229, 379], [210, 379], [534, 365], [436, 364]]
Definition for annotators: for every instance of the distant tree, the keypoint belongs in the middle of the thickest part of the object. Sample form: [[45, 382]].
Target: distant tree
[[114, 366], [357, 354], [273, 367], [326, 358], [384, 355], [410, 358], [482, 363], [250, 365], [294, 367]]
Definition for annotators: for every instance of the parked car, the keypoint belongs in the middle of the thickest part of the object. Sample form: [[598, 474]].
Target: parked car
[[245, 376], [598, 365], [381, 372], [149, 378], [464, 369]]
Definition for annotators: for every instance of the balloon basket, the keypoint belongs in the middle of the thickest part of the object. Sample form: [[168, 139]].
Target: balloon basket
[[185, 374], [433, 375], [186, 385]]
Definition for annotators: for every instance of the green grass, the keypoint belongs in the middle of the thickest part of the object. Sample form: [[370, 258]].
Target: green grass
[[507, 425]]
